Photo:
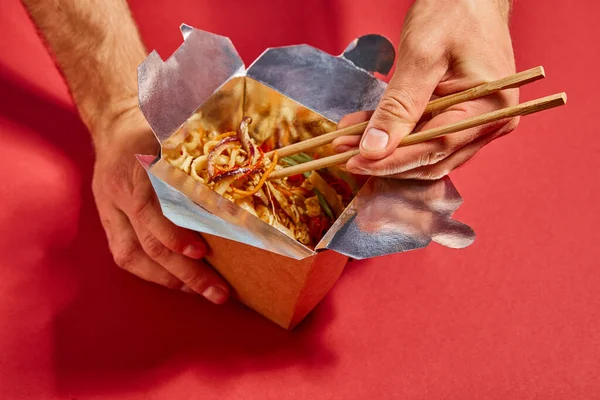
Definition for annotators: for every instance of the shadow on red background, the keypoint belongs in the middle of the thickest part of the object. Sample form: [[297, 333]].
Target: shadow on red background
[[116, 328]]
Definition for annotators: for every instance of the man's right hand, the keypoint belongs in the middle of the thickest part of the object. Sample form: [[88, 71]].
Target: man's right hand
[[142, 240]]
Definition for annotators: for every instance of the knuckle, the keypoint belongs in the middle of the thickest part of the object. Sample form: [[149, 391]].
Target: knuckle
[[126, 253], [432, 157], [421, 53], [417, 49], [173, 242], [142, 210], [396, 104], [108, 184], [172, 282], [154, 248], [195, 279], [113, 183]]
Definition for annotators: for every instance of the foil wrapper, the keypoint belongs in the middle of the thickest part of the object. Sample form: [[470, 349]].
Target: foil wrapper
[[303, 92]]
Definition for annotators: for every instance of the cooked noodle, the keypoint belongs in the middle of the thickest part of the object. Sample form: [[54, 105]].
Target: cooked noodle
[[232, 165]]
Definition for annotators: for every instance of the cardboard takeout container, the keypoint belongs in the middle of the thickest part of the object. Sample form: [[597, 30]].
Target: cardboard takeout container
[[293, 92]]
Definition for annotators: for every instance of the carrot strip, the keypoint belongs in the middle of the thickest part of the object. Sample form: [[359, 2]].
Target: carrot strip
[[224, 135], [262, 181]]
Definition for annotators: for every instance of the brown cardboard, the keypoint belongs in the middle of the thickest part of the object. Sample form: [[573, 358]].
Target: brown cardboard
[[282, 289]]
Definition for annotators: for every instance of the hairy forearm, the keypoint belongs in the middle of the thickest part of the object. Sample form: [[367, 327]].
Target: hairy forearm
[[97, 47]]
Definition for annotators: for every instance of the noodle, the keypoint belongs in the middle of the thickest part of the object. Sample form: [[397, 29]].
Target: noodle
[[233, 166]]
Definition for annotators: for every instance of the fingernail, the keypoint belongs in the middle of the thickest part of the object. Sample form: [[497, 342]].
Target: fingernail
[[195, 251], [215, 294], [375, 140]]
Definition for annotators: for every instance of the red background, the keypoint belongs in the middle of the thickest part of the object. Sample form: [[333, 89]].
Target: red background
[[515, 316]]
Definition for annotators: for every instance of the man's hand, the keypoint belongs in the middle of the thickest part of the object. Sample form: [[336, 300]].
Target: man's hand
[[141, 239], [97, 47], [446, 46]]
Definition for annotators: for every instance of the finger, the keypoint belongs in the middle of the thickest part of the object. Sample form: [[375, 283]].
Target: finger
[[343, 149], [354, 118], [128, 253], [175, 238], [196, 274], [435, 150], [345, 142], [417, 155], [418, 72], [456, 160]]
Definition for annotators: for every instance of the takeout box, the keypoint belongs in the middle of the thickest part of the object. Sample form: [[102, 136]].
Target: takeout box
[[293, 93]]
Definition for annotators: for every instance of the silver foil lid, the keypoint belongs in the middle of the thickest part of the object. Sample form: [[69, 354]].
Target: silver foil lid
[[170, 91], [206, 75]]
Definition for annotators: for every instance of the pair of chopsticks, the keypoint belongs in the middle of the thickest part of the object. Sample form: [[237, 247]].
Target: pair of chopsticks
[[513, 81]]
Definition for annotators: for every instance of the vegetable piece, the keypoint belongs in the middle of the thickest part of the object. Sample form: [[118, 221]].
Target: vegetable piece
[[328, 193], [224, 135], [227, 143], [289, 161], [313, 206], [247, 145], [267, 145], [262, 181], [236, 173], [260, 194], [323, 204], [293, 161], [243, 134], [318, 226], [240, 172], [246, 204], [346, 177], [282, 200], [296, 180], [301, 158], [282, 228], [223, 185], [340, 186]]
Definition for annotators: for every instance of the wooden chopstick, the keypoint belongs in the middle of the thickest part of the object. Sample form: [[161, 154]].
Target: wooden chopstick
[[522, 109], [512, 81]]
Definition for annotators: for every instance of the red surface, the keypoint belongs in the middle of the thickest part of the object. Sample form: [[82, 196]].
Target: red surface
[[515, 316]]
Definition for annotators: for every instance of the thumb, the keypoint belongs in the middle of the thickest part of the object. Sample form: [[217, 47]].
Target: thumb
[[402, 104]]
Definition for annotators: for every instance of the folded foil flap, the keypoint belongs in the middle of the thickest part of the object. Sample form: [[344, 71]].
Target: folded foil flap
[[180, 199], [170, 91], [185, 30], [391, 216], [331, 86], [372, 53]]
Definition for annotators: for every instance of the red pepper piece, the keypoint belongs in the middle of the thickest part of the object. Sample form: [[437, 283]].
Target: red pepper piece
[[296, 180]]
